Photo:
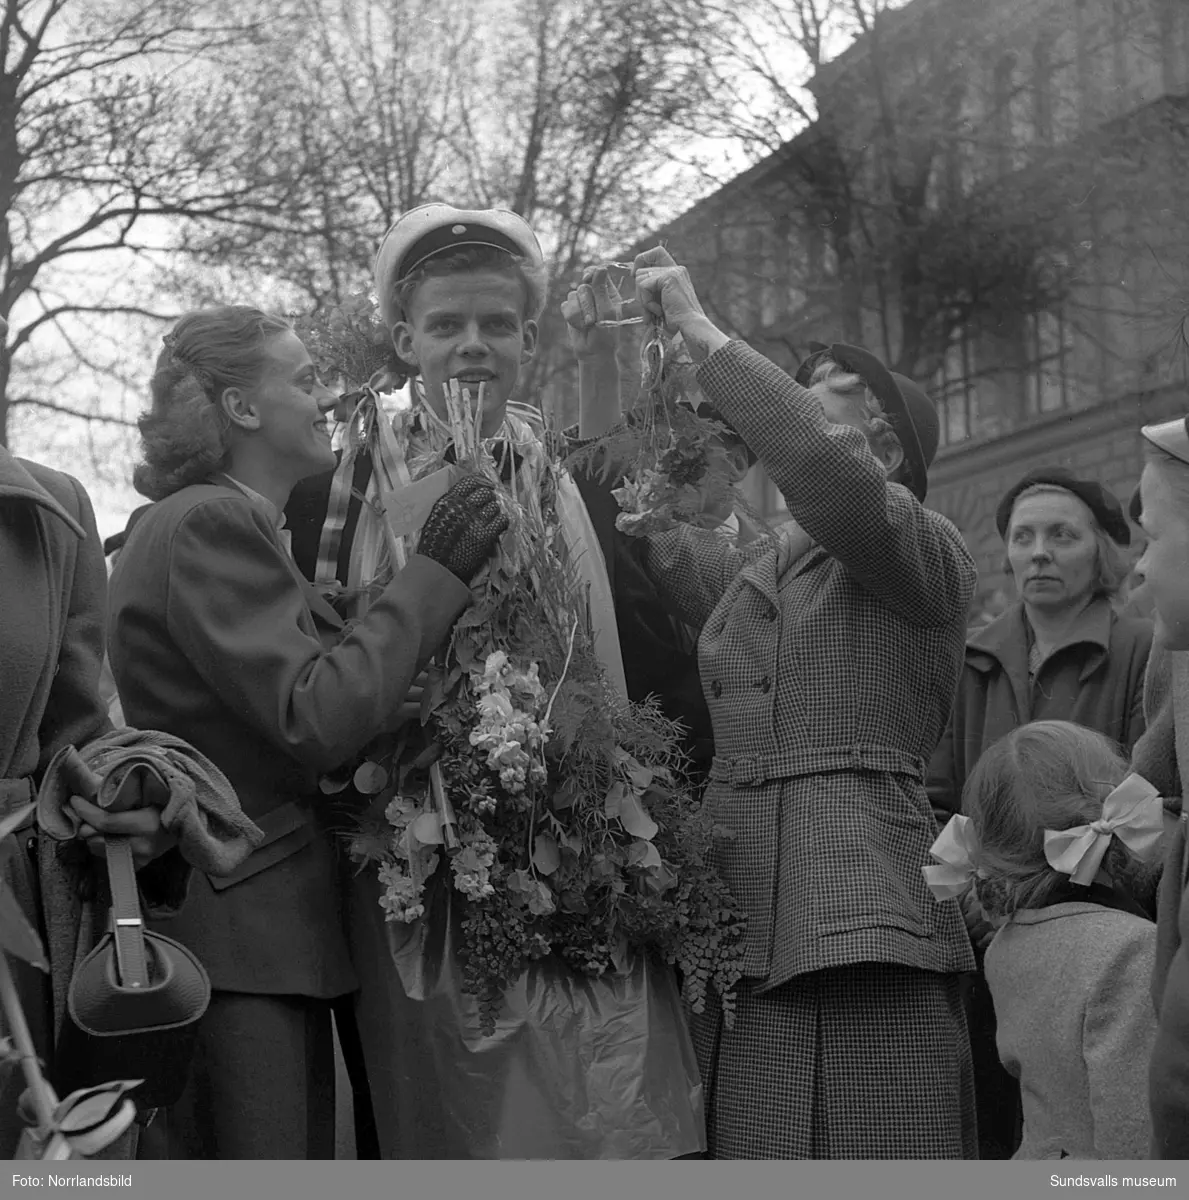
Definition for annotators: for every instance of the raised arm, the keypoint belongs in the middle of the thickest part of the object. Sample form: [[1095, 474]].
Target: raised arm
[[237, 611], [913, 560], [596, 348]]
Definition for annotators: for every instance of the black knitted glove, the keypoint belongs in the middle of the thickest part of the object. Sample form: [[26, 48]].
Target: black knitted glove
[[463, 527]]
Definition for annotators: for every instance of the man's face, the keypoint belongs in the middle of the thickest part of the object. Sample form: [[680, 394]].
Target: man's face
[[470, 327], [1164, 567]]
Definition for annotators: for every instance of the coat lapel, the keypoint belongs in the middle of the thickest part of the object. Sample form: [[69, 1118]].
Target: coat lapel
[[17, 484], [761, 575], [316, 601], [1004, 641]]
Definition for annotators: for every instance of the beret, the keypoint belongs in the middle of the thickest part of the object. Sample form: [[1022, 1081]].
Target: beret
[[432, 229], [1102, 502]]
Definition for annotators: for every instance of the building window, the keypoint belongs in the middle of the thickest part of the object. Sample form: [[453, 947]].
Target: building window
[[954, 392], [1049, 352]]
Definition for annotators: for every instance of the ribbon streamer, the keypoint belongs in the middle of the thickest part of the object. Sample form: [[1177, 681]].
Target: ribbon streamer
[[956, 851], [1133, 812]]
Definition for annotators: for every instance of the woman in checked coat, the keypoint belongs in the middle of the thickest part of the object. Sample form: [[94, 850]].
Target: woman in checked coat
[[829, 658]]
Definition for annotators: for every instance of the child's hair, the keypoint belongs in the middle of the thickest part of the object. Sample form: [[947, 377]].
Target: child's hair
[[831, 378], [185, 434], [1045, 775], [477, 258]]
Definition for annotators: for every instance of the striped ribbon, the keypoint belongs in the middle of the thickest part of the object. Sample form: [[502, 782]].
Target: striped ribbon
[[369, 431]]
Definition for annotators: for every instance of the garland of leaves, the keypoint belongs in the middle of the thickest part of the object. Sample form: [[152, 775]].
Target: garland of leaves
[[661, 451]]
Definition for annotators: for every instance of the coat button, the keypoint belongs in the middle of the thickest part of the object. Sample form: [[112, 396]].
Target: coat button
[[31, 847], [716, 689], [772, 612], [765, 684]]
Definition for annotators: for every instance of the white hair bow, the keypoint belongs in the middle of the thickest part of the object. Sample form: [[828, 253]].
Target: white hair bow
[[956, 851], [1133, 813]]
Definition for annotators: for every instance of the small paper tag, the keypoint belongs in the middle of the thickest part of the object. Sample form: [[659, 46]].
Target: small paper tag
[[408, 507]]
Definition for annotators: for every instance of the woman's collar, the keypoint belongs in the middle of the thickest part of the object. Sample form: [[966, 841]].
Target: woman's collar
[[1011, 630]]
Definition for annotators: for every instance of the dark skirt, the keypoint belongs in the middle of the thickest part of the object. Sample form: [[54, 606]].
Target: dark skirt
[[870, 1061]]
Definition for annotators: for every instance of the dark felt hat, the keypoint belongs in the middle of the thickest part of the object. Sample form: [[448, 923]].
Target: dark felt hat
[[1102, 502], [912, 414]]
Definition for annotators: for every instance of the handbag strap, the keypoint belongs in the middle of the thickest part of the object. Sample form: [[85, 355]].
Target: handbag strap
[[127, 923]]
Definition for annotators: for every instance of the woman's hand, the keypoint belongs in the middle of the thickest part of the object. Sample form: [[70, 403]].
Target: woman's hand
[[149, 839], [595, 299], [980, 929], [666, 290]]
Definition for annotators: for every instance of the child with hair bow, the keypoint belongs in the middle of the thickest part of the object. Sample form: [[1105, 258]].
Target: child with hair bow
[[1061, 848]]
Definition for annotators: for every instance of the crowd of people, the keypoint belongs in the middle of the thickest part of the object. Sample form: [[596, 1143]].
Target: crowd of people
[[960, 850]]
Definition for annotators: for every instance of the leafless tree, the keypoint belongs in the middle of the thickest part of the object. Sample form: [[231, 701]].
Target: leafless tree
[[101, 145]]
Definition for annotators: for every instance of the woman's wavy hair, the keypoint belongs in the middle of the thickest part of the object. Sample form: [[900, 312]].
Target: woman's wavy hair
[[1044, 775], [185, 435], [829, 378], [478, 258], [1112, 568]]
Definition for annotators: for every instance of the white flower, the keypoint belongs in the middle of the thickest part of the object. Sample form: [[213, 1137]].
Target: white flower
[[401, 900]]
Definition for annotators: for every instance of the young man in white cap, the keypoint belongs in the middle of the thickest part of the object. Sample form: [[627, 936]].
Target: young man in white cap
[[461, 293]]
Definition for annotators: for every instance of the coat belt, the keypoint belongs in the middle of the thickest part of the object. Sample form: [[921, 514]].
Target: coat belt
[[752, 770]]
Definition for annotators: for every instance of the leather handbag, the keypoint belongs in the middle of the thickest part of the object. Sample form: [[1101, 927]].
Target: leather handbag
[[134, 1002]]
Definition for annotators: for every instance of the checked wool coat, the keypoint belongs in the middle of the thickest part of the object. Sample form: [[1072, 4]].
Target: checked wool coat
[[830, 680]]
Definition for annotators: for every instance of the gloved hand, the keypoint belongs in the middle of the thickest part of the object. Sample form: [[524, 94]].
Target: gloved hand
[[463, 527]]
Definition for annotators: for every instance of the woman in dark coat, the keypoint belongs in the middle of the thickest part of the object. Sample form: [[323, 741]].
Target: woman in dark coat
[[1060, 653], [829, 658], [216, 637], [52, 595]]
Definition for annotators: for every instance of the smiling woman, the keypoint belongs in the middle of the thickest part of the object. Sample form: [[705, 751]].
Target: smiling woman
[[1060, 653], [234, 391], [215, 633]]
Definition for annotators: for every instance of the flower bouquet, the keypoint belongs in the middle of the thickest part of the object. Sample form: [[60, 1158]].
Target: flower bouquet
[[557, 808]]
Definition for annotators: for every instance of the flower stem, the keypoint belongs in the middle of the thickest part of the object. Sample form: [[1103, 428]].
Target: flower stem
[[562, 677]]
